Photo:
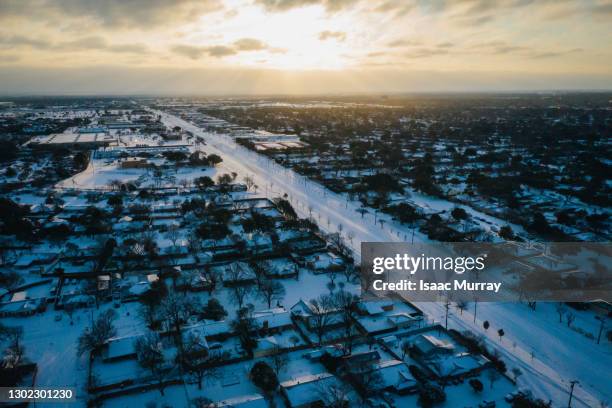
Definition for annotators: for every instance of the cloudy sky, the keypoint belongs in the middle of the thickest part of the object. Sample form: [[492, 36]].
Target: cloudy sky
[[302, 46]]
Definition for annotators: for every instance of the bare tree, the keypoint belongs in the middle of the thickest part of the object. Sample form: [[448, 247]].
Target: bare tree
[[368, 380], [560, 309], [322, 309], [332, 275], [569, 318], [194, 243], [350, 235], [196, 360], [239, 294], [101, 331], [334, 396], [244, 326], [249, 182], [15, 351], [349, 272], [184, 182], [278, 361], [271, 290], [493, 375], [149, 313], [212, 276], [461, 305], [158, 177], [260, 269], [150, 356], [362, 211], [187, 279], [345, 302], [175, 310], [10, 280], [173, 234]]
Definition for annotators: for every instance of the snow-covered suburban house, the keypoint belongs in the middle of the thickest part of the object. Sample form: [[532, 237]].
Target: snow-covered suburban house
[[223, 199], [237, 273], [458, 366], [282, 268], [356, 361], [310, 315], [291, 235], [22, 307], [272, 321], [391, 375], [308, 390], [325, 262], [438, 353], [120, 348], [275, 331], [199, 281], [308, 245], [378, 316], [428, 345], [259, 244], [133, 287]]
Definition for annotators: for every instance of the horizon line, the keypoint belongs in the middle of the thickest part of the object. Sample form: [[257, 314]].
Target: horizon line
[[335, 94]]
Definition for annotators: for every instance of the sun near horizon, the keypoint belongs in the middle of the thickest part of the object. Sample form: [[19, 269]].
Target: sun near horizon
[[302, 46]]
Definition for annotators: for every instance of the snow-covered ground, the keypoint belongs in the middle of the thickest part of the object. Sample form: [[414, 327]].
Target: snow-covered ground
[[560, 355], [52, 344]]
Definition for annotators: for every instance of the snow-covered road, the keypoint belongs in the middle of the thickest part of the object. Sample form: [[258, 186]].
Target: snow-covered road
[[559, 355]]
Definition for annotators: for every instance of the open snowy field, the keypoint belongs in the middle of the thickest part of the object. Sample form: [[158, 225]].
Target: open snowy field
[[101, 173]]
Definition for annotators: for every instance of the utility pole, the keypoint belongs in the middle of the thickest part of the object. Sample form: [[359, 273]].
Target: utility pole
[[446, 306], [572, 385]]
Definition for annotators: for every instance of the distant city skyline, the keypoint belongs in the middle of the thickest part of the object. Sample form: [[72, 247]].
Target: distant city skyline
[[216, 47]]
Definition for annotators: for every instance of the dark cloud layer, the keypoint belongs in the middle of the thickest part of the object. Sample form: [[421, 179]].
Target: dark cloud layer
[[218, 51], [284, 5], [250, 44], [398, 8], [110, 13], [81, 44], [402, 42], [332, 35], [504, 48]]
